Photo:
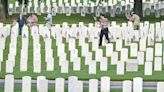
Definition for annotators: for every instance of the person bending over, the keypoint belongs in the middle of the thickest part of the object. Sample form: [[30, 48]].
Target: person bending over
[[135, 19]]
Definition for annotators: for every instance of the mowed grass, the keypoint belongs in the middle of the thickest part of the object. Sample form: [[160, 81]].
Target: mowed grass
[[52, 89], [83, 74], [76, 18]]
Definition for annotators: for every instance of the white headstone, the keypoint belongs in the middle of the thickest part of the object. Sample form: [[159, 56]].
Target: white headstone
[[104, 64], [109, 49], [118, 45], [50, 64], [85, 49], [38, 79], [79, 86], [64, 66], [124, 54], [158, 64], [0, 66], [37, 66], [158, 49], [127, 86], [136, 35], [137, 84], [72, 83], [148, 68], [9, 83], [74, 54], [81, 40], [93, 85], [88, 58], [149, 54], [1, 54], [43, 85], [60, 49], [132, 65], [160, 86], [77, 64], [142, 45], [62, 57], [9, 67], [92, 67], [99, 54], [26, 84], [140, 58], [105, 84], [114, 58], [71, 44], [120, 67], [95, 44], [23, 65], [59, 85], [133, 50]]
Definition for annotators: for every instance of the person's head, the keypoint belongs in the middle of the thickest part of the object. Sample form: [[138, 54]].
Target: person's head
[[20, 15], [50, 12], [31, 14], [132, 13], [102, 16]]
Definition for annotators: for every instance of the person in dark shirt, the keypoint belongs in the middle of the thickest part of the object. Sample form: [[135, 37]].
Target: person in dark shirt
[[21, 21]]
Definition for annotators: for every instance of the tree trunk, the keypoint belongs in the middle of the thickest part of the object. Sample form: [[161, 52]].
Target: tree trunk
[[138, 8], [4, 10]]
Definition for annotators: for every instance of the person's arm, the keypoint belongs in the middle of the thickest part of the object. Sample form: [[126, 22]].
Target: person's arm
[[131, 18], [36, 18], [46, 18], [18, 19], [94, 18], [25, 20], [28, 20]]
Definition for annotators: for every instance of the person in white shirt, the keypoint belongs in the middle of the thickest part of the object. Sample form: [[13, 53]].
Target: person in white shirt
[[49, 20], [135, 19]]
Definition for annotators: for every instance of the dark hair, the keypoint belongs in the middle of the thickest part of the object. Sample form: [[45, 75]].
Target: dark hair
[[103, 15], [132, 12]]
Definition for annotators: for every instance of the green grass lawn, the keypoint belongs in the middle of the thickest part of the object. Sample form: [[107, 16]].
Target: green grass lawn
[[83, 74], [18, 89], [76, 18]]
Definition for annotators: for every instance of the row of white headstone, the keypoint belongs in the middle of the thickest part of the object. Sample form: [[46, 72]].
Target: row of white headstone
[[154, 32], [63, 62], [49, 54], [10, 63], [24, 50], [85, 50], [74, 3], [4, 33], [36, 50], [75, 85], [124, 32]]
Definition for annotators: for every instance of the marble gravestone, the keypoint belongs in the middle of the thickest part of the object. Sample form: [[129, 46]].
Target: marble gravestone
[[132, 65]]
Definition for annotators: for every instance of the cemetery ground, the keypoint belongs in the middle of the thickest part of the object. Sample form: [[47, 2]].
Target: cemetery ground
[[82, 74], [19, 89], [76, 18]]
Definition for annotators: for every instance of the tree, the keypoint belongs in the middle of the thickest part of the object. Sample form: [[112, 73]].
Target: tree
[[4, 9], [138, 8]]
